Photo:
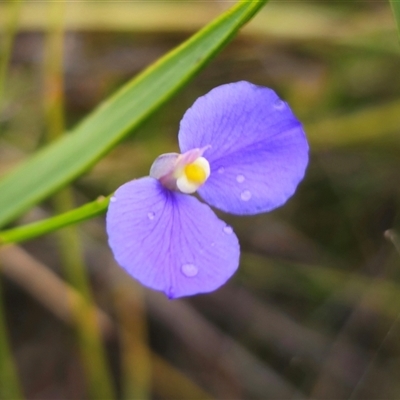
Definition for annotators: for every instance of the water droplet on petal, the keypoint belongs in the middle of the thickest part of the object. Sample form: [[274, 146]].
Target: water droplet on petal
[[245, 195], [113, 199], [150, 215], [279, 105], [228, 230], [240, 178], [221, 170], [189, 270]]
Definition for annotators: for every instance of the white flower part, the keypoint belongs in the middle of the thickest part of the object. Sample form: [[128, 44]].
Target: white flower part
[[163, 165], [183, 181], [185, 186]]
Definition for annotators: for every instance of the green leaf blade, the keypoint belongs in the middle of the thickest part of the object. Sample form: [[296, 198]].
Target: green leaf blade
[[395, 4], [66, 159]]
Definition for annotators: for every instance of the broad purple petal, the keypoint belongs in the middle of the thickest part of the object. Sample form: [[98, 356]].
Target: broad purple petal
[[170, 241], [258, 152]]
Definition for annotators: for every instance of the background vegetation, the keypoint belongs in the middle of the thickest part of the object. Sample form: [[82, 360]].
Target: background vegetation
[[313, 311]]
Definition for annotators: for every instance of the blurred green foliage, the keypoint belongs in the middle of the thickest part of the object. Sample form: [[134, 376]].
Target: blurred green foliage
[[313, 311]]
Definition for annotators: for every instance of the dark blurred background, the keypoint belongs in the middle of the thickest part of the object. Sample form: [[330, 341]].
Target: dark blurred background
[[313, 311]]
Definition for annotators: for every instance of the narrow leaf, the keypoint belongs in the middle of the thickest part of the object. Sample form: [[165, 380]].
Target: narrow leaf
[[396, 12]]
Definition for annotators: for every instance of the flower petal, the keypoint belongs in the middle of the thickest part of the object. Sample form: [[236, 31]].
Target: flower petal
[[258, 152], [170, 241]]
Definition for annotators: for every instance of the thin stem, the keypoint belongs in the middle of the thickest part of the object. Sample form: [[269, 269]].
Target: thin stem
[[9, 384], [135, 354], [39, 228], [14, 8], [88, 332]]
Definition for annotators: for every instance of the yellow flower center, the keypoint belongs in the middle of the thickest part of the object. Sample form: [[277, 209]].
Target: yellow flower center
[[195, 173], [191, 176]]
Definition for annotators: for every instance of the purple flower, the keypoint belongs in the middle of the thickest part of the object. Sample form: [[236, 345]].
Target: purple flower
[[244, 152]]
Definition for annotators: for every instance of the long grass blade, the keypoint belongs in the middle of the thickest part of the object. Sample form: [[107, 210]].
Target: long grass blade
[[395, 4]]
